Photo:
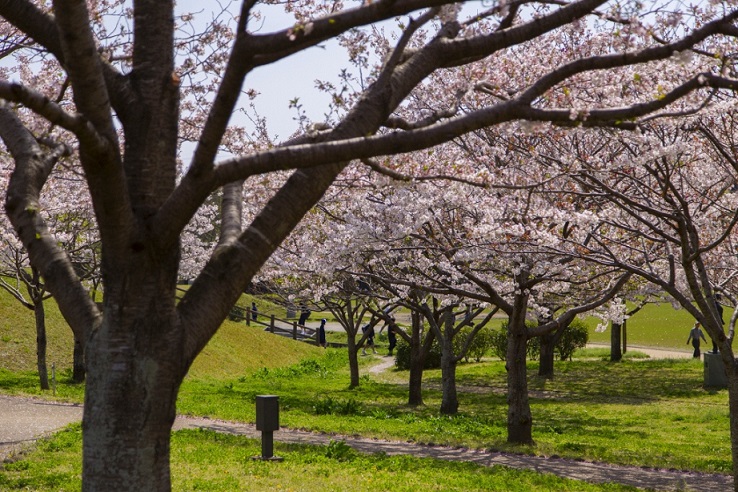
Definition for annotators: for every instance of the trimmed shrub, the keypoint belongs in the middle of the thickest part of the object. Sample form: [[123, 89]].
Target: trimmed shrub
[[574, 337], [402, 356], [533, 348], [499, 342], [481, 343]]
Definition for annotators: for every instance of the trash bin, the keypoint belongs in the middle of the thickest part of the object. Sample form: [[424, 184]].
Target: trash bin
[[715, 376]]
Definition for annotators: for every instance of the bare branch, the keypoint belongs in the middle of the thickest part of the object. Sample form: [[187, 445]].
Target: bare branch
[[378, 168], [54, 113], [22, 206]]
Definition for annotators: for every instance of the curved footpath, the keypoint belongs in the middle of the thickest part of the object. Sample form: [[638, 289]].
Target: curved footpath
[[23, 420]]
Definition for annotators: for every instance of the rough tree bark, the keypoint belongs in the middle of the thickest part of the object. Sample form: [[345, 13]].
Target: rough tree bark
[[616, 353], [519, 417], [419, 349], [449, 398], [40, 316]]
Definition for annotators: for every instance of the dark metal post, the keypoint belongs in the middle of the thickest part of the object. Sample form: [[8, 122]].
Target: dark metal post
[[267, 421]]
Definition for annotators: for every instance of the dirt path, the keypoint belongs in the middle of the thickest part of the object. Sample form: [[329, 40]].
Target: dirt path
[[23, 420], [654, 353]]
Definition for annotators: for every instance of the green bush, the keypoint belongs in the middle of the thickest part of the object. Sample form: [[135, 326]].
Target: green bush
[[481, 343], [340, 451], [574, 337], [402, 356], [335, 406], [499, 342]]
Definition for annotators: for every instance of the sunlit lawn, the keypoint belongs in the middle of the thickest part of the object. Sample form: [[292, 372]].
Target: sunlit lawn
[[204, 460], [638, 412]]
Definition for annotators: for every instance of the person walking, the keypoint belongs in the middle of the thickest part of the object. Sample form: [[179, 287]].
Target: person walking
[[254, 311], [694, 336], [304, 315], [391, 336], [368, 331], [321, 334]]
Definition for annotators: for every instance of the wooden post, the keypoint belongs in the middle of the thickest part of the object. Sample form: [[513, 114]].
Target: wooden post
[[271, 324], [294, 330], [248, 317]]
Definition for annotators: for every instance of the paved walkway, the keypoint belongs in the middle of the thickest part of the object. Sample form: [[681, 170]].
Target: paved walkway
[[23, 420]]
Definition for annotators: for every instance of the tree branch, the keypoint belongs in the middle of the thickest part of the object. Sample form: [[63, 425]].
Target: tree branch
[[22, 206], [54, 113]]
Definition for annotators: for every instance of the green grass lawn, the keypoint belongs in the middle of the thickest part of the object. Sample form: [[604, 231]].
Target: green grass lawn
[[204, 460], [654, 326], [637, 412]]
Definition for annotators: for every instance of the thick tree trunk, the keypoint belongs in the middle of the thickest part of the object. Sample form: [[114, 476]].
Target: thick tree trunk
[[415, 383], [40, 315], [616, 353], [418, 351], [547, 356], [519, 418], [353, 355], [78, 362], [732, 373], [450, 399], [135, 368]]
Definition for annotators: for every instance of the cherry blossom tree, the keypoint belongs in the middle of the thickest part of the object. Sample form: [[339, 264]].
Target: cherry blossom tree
[[77, 233], [136, 95], [662, 206]]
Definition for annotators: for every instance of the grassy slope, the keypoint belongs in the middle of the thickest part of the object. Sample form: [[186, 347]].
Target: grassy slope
[[655, 326], [238, 349], [235, 350]]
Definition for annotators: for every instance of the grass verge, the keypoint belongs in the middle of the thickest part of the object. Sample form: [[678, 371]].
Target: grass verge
[[637, 412], [204, 460]]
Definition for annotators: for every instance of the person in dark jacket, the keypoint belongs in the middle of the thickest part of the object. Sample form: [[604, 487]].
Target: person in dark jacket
[[321, 334], [368, 331], [391, 336], [304, 315]]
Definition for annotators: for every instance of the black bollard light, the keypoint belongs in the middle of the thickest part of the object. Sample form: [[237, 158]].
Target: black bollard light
[[267, 421]]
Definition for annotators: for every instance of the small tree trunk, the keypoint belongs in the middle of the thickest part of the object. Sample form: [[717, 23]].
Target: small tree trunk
[[616, 353], [625, 336], [546, 362], [418, 351], [449, 400], [353, 355], [519, 418], [40, 315], [78, 362]]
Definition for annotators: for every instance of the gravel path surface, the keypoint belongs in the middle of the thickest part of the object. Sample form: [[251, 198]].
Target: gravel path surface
[[23, 420]]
